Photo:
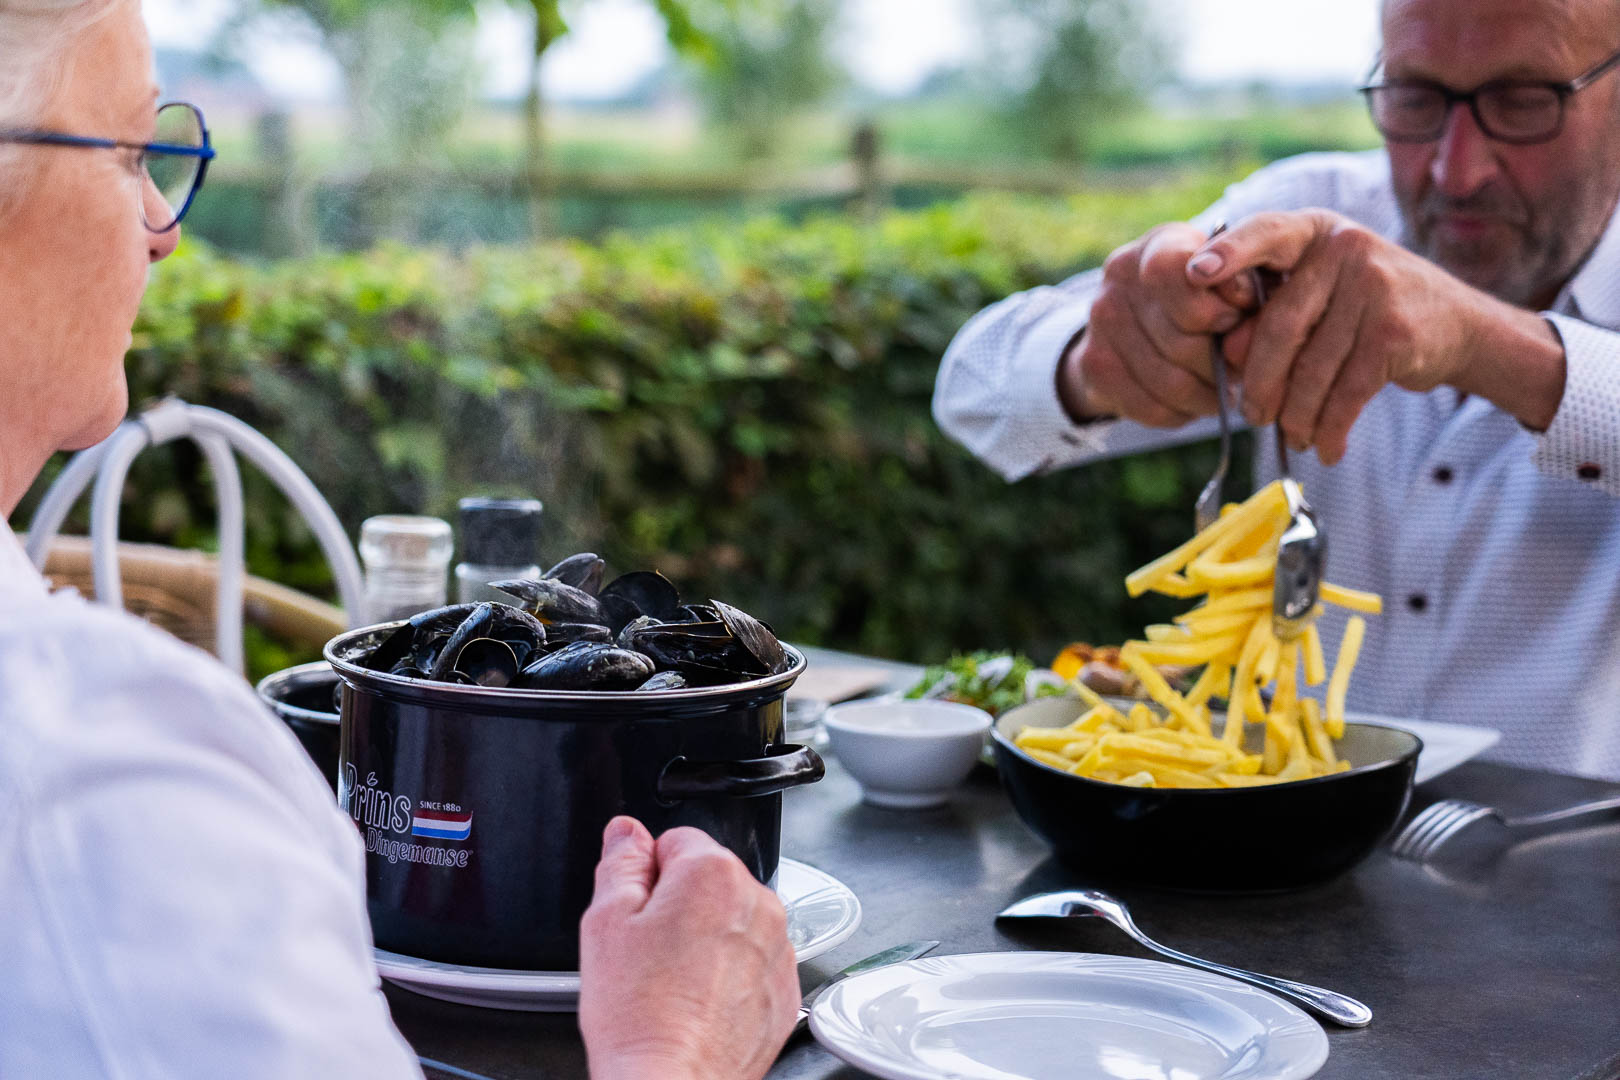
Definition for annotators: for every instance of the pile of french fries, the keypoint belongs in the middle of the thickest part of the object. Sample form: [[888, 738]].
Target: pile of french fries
[[1231, 565]]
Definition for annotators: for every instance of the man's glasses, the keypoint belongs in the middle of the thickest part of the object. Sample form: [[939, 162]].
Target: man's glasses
[[1507, 110], [176, 160]]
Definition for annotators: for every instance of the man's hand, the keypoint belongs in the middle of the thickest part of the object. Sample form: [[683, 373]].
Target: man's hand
[[1145, 353], [686, 972], [1358, 312]]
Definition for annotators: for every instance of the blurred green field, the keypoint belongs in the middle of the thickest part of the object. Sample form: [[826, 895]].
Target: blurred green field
[[638, 168]]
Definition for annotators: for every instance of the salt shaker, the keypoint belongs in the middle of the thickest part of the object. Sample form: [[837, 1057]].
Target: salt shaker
[[407, 559]]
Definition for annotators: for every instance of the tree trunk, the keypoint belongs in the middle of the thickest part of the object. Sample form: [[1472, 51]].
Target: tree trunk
[[536, 177]]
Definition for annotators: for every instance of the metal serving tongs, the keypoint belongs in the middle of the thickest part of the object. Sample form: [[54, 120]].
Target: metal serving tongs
[[1300, 554], [1303, 548]]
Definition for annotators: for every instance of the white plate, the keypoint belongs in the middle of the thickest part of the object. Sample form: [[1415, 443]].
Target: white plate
[[1074, 1016], [821, 912]]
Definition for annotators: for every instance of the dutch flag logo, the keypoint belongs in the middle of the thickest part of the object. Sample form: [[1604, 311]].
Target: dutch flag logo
[[439, 825]]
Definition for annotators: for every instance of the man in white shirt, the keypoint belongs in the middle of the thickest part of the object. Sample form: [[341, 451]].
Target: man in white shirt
[[1444, 338]]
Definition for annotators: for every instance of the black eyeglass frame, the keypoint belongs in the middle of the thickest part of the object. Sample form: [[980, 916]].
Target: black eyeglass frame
[[205, 153], [1564, 91]]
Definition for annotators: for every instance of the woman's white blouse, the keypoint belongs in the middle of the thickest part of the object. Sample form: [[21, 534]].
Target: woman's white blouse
[[179, 894]]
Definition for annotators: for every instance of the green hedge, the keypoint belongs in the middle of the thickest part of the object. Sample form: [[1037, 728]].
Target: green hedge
[[746, 408]]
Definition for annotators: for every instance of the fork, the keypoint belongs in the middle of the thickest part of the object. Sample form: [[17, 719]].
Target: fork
[[1207, 510], [1441, 821]]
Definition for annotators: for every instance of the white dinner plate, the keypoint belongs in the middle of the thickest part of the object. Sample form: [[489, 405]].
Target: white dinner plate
[[1062, 1016], [821, 914]]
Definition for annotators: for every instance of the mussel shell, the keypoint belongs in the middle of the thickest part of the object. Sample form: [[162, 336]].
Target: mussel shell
[[583, 571], [477, 624], [587, 665], [703, 654], [640, 592], [664, 680], [487, 662], [625, 637], [566, 633], [552, 601], [418, 638], [525, 634], [697, 613], [754, 636]]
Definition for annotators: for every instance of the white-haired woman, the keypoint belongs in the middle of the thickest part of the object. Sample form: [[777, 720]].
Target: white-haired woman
[[179, 896]]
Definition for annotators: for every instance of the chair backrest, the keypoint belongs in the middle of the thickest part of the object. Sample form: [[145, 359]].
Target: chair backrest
[[220, 437]]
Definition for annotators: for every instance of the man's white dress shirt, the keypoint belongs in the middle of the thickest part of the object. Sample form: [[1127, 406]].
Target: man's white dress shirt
[[179, 895], [1497, 550]]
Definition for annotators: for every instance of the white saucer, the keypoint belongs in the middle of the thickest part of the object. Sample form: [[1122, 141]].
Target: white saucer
[[821, 913], [1045, 1016]]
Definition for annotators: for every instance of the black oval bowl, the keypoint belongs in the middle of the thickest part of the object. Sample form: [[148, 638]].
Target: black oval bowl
[[302, 697], [482, 809], [1230, 840]]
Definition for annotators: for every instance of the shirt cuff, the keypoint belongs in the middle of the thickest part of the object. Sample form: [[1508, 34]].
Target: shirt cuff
[[1583, 441], [1032, 387]]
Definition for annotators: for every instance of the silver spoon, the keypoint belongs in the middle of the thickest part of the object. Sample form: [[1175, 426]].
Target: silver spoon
[[1342, 1010]]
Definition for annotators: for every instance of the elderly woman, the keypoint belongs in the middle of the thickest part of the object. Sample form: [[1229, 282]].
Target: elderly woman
[[178, 894]]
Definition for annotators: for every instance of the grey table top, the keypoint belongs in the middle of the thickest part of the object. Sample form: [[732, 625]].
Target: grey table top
[[1501, 963]]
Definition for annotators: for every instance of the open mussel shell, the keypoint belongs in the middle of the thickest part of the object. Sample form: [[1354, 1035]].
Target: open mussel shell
[[754, 636], [583, 571], [665, 680], [566, 633], [640, 592], [705, 652], [587, 665], [553, 601], [487, 662], [414, 644], [476, 625]]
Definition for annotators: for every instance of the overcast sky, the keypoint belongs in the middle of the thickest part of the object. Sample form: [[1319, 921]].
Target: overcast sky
[[888, 45]]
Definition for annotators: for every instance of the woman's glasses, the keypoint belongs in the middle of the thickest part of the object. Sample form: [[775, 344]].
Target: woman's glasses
[[176, 160]]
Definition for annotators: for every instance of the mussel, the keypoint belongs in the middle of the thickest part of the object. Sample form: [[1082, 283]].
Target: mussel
[[553, 601], [640, 593], [583, 571], [664, 680], [587, 665]]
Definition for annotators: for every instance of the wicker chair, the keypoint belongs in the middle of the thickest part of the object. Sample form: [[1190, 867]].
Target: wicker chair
[[177, 591]]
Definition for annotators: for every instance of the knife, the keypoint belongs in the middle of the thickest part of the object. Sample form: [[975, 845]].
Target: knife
[[898, 954]]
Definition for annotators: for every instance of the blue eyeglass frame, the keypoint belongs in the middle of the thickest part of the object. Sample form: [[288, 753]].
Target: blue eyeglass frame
[[205, 152]]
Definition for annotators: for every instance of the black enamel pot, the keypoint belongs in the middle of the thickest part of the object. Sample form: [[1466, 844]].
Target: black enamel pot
[[302, 697], [482, 809], [1255, 839]]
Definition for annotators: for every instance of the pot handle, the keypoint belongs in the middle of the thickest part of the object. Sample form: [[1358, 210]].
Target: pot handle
[[787, 766]]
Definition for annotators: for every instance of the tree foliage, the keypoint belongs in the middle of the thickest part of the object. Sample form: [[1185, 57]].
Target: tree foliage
[[1061, 66]]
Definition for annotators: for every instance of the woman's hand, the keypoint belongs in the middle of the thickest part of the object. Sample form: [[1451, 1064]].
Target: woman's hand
[[686, 972]]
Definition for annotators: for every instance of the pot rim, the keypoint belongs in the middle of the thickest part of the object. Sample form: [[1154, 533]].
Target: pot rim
[[295, 674], [339, 650]]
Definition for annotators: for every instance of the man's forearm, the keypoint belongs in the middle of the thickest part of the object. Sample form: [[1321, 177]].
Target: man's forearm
[[1515, 361]]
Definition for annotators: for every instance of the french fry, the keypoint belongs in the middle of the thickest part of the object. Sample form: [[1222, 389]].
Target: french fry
[[1315, 669], [1354, 599], [1215, 680], [1339, 684], [1186, 652], [1321, 744]]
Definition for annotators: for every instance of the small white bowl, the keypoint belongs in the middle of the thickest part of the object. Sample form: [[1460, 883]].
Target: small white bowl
[[907, 753]]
